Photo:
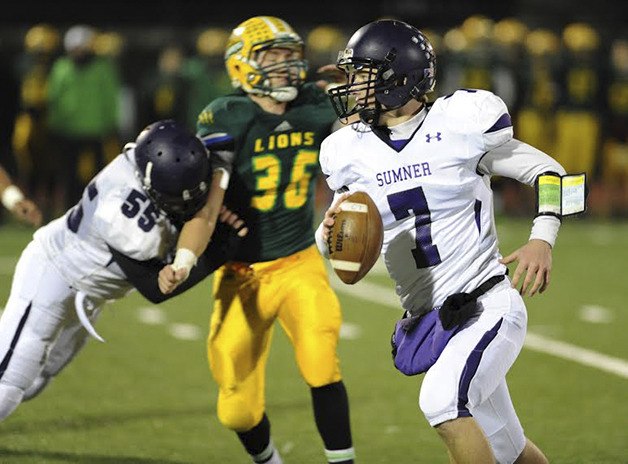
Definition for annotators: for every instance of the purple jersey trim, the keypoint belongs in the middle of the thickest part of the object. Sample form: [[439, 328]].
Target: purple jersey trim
[[399, 144], [16, 337], [503, 122], [478, 210], [209, 141], [471, 367]]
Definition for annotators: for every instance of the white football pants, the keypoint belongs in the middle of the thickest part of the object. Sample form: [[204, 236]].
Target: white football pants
[[39, 330], [469, 377]]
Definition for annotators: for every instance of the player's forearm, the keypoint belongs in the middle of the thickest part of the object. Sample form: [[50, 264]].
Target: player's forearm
[[523, 162], [195, 235], [197, 232], [10, 194]]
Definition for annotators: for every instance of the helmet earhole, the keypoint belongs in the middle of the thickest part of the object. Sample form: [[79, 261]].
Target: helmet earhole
[[159, 153]]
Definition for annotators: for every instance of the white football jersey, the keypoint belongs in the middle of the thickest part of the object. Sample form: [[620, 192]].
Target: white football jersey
[[437, 210], [115, 211]]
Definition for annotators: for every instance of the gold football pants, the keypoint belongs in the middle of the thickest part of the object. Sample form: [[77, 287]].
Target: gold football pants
[[247, 300]]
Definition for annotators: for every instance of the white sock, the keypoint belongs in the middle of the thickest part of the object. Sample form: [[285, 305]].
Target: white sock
[[340, 455], [269, 456]]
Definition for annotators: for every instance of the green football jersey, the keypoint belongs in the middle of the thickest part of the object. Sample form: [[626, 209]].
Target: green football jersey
[[275, 168]]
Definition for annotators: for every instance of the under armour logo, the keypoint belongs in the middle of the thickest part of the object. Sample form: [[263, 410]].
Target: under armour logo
[[429, 137]]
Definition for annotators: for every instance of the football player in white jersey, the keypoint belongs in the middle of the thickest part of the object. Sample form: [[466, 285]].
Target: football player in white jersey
[[117, 238], [427, 166]]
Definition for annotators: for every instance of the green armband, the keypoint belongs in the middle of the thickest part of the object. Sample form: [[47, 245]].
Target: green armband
[[560, 196]]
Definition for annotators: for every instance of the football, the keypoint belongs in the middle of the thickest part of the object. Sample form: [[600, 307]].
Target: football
[[356, 238]]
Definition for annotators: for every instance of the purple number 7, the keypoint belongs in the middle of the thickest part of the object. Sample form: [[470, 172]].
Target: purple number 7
[[413, 201]]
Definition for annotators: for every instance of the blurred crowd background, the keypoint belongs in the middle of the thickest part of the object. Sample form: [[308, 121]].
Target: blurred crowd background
[[73, 92]]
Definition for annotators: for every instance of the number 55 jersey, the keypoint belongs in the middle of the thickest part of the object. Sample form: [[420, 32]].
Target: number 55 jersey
[[437, 209], [113, 211]]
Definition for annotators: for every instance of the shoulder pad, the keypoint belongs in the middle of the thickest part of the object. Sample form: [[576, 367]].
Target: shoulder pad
[[229, 114]]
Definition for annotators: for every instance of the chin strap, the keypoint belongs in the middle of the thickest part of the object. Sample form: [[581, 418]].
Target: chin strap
[[284, 94]]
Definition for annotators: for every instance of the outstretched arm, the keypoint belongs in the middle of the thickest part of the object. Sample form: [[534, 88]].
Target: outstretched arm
[[146, 276], [198, 231], [520, 161], [220, 250], [143, 276]]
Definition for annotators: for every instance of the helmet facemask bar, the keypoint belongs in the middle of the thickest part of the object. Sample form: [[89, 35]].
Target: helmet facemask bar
[[293, 70], [366, 80], [358, 95], [180, 208]]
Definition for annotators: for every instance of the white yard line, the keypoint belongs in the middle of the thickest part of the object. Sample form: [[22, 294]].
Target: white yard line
[[576, 354], [385, 296]]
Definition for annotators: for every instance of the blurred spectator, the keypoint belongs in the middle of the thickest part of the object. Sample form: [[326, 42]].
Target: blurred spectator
[[164, 91], [451, 61], [322, 44], [567, 95], [205, 72], [37, 160], [578, 115], [535, 123], [507, 81], [479, 54], [508, 39], [83, 108], [615, 154], [112, 45]]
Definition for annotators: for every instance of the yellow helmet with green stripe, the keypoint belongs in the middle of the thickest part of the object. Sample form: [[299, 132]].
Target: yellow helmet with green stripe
[[244, 47]]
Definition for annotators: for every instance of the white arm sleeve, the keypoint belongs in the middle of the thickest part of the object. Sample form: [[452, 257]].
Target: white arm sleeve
[[518, 160], [523, 162]]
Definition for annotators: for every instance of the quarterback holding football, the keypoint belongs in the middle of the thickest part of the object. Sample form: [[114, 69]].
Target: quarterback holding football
[[427, 166]]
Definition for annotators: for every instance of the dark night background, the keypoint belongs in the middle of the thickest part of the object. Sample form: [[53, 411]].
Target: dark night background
[[606, 14], [149, 26]]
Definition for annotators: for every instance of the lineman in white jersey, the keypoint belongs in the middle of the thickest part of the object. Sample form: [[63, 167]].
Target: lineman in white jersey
[[115, 239], [428, 167]]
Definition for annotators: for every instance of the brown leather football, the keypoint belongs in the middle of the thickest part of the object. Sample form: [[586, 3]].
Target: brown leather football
[[356, 238]]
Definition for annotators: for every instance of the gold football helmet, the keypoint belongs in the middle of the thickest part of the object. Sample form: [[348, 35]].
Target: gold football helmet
[[581, 37], [244, 47], [42, 38]]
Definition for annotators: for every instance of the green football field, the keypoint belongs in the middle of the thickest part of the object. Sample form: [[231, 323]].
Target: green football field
[[146, 395]]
